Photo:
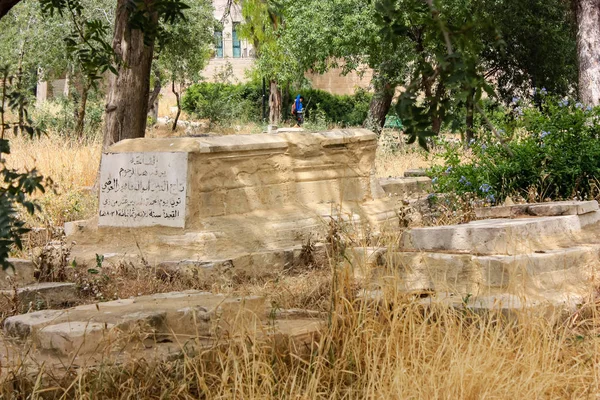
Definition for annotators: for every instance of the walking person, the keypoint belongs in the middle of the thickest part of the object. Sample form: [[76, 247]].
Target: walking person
[[298, 110]]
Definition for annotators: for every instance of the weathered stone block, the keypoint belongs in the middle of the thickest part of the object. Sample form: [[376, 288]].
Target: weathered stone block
[[23, 325], [76, 337], [46, 295]]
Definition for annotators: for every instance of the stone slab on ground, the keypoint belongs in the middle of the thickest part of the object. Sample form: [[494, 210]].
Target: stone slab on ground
[[172, 316], [46, 295], [406, 187], [552, 209], [498, 236], [184, 313]]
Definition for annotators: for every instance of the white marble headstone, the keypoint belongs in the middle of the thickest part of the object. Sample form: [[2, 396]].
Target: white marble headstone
[[143, 189]]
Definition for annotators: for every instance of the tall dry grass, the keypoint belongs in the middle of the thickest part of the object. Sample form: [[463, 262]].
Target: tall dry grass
[[392, 349], [70, 164]]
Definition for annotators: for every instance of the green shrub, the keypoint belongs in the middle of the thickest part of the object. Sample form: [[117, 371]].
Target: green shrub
[[58, 116], [554, 154], [223, 103]]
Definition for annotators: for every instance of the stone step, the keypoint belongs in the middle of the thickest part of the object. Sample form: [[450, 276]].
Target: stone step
[[552, 209], [91, 328], [498, 236], [44, 295], [406, 187], [569, 270]]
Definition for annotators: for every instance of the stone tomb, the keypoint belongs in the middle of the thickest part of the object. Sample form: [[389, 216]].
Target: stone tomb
[[215, 198]]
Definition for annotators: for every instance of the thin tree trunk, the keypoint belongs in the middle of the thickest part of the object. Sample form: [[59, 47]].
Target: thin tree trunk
[[153, 100], [380, 105], [82, 109], [588, 50], [127, 99], [178, 97], [274, 104], [470, 133]]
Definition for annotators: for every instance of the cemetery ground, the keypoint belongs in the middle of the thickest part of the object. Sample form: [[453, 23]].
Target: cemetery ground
[[383, 346]]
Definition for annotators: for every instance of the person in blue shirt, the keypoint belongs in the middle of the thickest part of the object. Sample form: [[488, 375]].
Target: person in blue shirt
[[298, 110]]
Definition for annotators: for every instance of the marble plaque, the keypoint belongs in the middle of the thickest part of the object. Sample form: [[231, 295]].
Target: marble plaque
[[143, 189]]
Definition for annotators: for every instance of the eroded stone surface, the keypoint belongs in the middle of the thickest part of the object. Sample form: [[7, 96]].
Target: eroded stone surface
[[553, 209], [176, 316], [501, 236], [75, 337], [45, 295]]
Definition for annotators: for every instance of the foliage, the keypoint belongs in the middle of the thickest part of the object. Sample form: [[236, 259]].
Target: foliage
[[555, 155], [17, 187], [88, 41], [460, 45], [56, 116], [223, 103]]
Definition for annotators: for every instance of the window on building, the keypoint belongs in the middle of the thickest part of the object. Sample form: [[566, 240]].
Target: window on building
[[219, 44], [237, 44]]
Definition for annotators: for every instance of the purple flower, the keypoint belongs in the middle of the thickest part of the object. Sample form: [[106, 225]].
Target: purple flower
[[449, 169], [579, 106], [491, 198], [519, 111], [563, 103], [543, 91], [485, 188], [544, 134], [464, 181]]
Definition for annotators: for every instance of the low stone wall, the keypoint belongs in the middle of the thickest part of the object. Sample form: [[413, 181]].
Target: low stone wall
[[228, 195]]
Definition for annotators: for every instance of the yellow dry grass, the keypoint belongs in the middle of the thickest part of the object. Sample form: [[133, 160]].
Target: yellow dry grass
[[395, 349]]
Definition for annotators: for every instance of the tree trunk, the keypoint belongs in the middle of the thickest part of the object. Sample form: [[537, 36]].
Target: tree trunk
[[470, 134], [380, 106], [153, 100], [588, 50], [127, 99], [274, 104], [81, 110], [178, 97]]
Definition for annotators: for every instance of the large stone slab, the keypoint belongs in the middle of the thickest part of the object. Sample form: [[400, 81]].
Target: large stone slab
[[499, 236], [143, 189], [173, 317], [552, 209]]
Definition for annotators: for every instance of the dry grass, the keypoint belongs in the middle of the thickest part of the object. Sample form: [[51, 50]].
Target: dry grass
[[393, 350]]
